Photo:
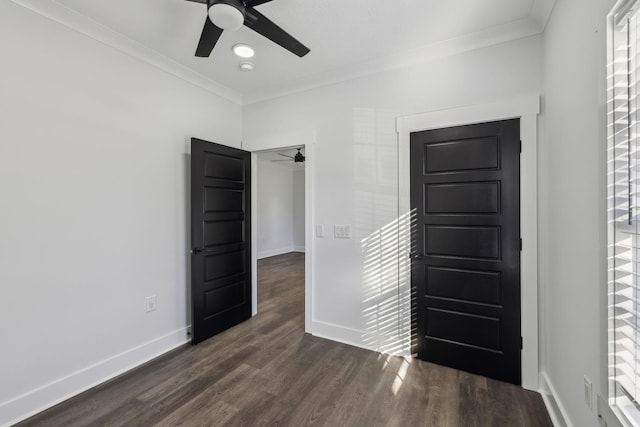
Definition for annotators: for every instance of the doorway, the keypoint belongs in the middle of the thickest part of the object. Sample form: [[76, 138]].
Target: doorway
[[527, 108], [225, 212], [280, 217]]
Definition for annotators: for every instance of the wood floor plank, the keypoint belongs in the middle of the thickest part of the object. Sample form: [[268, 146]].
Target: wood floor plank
[[313, 410], [209, 404], [268, 372], [207, 411], [357, 394], [443, 397]]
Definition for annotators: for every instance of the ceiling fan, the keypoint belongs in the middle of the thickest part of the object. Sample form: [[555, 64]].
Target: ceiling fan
[[298, 158], [231, 15]]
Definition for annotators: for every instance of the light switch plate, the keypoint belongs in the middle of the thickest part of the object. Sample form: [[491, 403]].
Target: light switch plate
[[588, 392], [151, 303], [342, 231], [319, 230]]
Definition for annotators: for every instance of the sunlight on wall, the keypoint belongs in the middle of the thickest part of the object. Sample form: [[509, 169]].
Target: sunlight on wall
[[387, 303], [384, 235], [407, 246]]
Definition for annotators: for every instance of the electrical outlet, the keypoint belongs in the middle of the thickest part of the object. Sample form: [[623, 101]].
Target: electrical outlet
[[151, 303], [588, 392]]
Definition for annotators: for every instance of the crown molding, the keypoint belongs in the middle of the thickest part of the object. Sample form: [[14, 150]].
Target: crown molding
[[541, 12], [533, 25], [90, 28], [515, 30]]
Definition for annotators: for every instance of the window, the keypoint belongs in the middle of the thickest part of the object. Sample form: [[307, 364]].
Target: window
[[624, 210]]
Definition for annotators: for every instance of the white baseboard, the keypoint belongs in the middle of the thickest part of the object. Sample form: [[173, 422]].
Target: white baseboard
[[37, 400], [274, 252], [298, 249], [338, 333], [370, 341], [556, 410]]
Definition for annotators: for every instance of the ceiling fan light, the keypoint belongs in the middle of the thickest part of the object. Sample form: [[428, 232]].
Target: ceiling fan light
[[226, 16], [244, 51]]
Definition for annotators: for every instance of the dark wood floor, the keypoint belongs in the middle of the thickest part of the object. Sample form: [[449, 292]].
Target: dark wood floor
[[268, 372]]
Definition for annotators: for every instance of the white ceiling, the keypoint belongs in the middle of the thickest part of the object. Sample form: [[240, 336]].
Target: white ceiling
[[346, 37]]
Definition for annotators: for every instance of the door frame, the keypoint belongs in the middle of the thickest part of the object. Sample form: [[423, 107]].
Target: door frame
[[308, 220], [527, 109]]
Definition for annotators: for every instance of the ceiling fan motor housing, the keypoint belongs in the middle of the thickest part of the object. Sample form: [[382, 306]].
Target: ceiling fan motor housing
[[226, 14]]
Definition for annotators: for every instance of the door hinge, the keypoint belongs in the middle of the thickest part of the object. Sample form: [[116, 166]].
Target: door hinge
[[521, 244], [521, 343]]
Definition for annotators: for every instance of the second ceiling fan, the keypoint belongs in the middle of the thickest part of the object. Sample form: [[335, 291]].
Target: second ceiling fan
[[231, 15], [298, 158]]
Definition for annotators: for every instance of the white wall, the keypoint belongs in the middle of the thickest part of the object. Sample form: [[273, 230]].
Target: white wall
[[280, 210], [94, 172], [298, 210], [573, 205], [355, 169], [275, 209]]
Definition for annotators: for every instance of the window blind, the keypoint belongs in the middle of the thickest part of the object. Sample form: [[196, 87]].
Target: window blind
[[624, 211]]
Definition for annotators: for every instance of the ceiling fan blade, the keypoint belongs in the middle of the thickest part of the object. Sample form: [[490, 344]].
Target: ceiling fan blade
[[284, 155], [208, 39], [264, 26], [253, 3]]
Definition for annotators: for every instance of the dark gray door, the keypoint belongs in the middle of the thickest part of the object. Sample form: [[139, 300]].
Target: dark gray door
[[221, 237], [465, 191]]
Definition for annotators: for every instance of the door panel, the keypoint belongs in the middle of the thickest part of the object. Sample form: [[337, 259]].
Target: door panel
[[463, 198], [223, 200], [223, 232], [470, 242], [465, 191], [469, 154], [463, 328], [218, 301], [226, 167], [464, 285], [221, 236], [224, 265]]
